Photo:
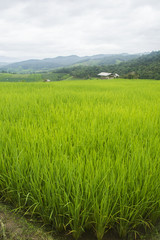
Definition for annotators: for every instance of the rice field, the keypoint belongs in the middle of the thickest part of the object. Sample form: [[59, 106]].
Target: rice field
[[82, 155], [15, 77], [34, 77]]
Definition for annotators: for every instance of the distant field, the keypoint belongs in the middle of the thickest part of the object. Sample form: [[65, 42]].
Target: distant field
[[37, 77], [8, 77], [82, 155]]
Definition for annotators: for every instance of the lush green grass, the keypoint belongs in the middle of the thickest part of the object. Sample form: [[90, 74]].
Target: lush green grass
[[82, 154]]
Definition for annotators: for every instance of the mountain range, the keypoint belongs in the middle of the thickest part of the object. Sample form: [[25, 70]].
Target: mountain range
[[48, 64]]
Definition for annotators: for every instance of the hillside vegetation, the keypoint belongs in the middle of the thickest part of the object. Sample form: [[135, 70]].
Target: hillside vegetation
[[144, 67]]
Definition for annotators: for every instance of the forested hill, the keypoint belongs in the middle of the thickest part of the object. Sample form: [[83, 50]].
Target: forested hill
[[144, 67], [48, 64]]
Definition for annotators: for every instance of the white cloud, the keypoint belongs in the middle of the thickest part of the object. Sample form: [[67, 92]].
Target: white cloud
[[39, 29]]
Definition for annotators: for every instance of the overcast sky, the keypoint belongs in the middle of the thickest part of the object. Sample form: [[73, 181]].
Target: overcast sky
[[49, 28]]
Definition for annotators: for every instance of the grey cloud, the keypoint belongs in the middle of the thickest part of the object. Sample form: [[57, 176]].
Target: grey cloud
[[38, 28]]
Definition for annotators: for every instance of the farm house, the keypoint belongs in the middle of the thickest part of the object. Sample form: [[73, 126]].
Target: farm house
[[105, 75], [46, 80]]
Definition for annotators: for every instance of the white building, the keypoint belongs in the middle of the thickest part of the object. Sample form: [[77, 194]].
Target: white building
[[46, 80], [108, 75]]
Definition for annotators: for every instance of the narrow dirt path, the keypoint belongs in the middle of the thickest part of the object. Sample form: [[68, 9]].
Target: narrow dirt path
[[15, 227]]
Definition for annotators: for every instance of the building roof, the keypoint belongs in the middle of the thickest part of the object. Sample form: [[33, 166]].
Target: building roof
[[105, 74]]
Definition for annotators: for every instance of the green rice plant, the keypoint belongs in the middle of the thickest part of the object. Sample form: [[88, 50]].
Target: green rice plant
[[82, 155]]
